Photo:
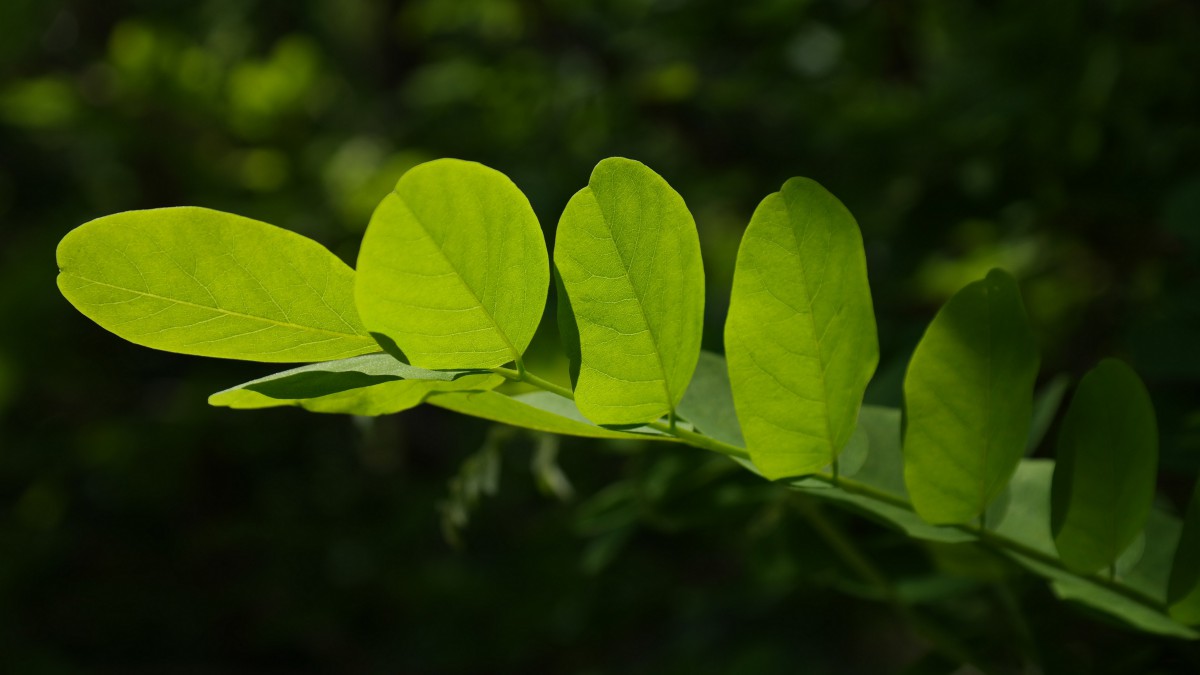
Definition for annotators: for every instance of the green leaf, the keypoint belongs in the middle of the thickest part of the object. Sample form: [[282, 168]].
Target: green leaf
[[968, 398], [1022, 512], [568, 331], [1184, 590], [629, 257], [537, 410], [453, 270], [883, 472], [376, 384], [800, 337], [1107, 463], [1147, 578], [197, 281], [1149, 571], [1068, 586], [708, 402], [1022, 515]]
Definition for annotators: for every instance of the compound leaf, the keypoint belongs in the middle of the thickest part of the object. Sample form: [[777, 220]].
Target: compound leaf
[[203, 282], [800, 337], [537, 410], [629, 258], [1107, 461], [453, 268], [376, 384], [968, 398]]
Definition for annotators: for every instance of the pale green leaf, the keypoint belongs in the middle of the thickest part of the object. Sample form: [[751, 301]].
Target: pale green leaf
[[1107, 465], [376, 384], [708, 402], [968, 398], [1022, 515], [537, 410], [1022, 511], [800, 337], [883, 472], [453, 270], [1146, 565], [629, 257], [1142, 590], [1184, 590], [197, 281], [1121, 607]]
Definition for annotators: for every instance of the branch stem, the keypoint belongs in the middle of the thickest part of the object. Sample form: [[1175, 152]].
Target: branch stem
[[670, 428]]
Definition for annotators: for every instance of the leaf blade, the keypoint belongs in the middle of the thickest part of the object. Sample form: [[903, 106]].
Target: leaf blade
[[639, 319], [883, 472], [708, 401], [202, 282], [453, 267], [537, 410], [1107, 462], [800, 337], [1183, 595], [371, 385], [960, 450]]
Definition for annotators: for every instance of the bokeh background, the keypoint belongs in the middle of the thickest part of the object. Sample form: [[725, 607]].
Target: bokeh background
[[142, 531]]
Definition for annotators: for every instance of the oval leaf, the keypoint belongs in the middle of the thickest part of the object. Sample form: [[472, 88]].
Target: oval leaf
[[197, 281], [800, 338], [1184, 590], [1107, 461], [629, 258], [376, 384], [453, 268], [968, 398]]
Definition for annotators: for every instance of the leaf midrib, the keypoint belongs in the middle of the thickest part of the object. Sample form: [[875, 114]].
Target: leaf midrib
[[812, 321], [230, 312], [662, 368]]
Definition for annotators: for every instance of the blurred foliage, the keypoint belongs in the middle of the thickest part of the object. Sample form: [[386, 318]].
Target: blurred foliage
[[141, 531]]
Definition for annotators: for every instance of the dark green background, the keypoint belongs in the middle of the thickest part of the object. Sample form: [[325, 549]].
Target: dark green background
[[142, 531]]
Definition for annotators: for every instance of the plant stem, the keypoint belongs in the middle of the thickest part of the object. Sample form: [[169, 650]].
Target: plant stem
[[985, 537], [994, 540], [674, 430]]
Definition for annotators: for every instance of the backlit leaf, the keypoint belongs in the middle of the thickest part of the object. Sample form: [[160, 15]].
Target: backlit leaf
[[968, 398], [376, 384], [453, 268], [197, 281], [800, 338], [1107, 462], [629, 258]]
